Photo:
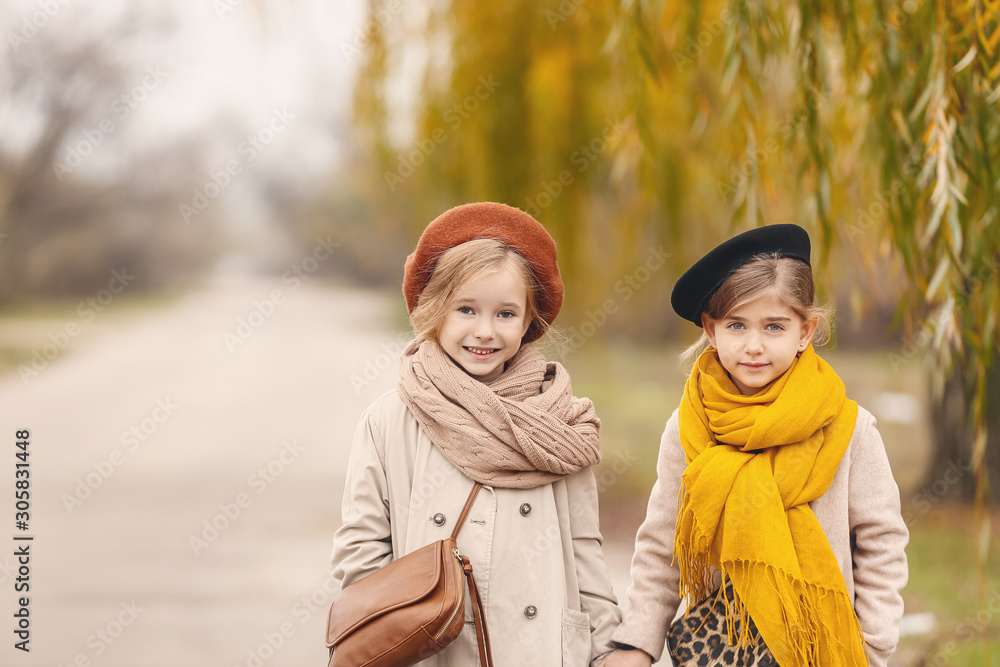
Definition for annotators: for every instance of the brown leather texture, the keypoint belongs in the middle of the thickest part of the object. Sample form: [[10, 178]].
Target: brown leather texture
[[424, 590], [408, 610]]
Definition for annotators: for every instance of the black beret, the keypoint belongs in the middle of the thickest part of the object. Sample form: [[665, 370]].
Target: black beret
[[697, 285]]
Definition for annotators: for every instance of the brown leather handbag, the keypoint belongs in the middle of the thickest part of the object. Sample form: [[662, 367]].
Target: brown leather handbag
[[408, 610]]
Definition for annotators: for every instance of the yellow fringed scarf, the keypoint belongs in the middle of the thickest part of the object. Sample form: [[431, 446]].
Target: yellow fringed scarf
[[754, 464]]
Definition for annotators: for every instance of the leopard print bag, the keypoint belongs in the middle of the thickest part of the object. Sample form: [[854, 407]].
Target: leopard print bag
[[700, 638]]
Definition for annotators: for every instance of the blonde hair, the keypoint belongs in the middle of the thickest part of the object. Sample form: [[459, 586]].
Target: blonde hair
[[789, 279], [465, 264]]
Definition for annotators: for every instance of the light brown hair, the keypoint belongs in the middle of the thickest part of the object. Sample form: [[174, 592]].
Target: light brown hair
[[462, 265], [789, 279]]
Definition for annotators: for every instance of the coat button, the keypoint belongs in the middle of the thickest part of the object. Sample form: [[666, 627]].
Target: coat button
[[531, 611], [525, 509], [439, 519]]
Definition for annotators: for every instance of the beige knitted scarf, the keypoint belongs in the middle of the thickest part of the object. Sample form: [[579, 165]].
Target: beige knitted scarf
[[506, 432]]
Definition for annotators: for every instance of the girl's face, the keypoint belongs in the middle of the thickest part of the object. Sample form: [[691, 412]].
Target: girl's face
[[485, 324], [758, 341]]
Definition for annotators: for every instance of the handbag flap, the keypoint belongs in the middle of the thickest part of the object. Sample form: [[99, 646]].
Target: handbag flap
[[400, 583]]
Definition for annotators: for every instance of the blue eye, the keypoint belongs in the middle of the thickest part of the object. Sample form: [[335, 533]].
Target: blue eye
[[735, 326], [774, 327], [507, 314], [465, 310]]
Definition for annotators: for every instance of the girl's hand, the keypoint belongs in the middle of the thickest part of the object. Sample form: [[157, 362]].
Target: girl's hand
[[634, 658]]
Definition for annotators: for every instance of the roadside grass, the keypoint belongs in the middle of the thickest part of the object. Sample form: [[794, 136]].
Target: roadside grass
[[635, 389], [27, 328], [944, 580]]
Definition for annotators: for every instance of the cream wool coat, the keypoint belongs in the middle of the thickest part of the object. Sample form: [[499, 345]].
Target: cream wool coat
[[536, 553], [859, 513]]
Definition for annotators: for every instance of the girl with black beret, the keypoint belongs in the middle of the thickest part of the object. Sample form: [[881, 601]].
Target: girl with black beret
[[775, 515]]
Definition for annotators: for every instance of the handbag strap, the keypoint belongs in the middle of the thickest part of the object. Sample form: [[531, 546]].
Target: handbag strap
[[466, 509], [478, 615]]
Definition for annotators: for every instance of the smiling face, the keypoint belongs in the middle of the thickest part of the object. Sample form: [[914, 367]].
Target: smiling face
[[483, 327], [758, 341]]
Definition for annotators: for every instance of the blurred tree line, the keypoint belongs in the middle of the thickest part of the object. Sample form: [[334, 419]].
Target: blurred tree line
[[75, 202], [640, 127]]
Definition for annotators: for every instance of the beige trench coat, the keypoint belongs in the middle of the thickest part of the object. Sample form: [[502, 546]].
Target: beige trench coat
[[859, 513], [536, 553]]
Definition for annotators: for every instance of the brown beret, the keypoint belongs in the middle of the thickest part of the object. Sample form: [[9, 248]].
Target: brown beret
[[488, 220]]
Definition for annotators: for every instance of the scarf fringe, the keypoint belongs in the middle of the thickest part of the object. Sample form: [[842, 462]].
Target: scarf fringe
[[811, 636]]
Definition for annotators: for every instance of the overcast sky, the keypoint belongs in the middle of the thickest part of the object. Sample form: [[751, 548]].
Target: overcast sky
[[239, 60]]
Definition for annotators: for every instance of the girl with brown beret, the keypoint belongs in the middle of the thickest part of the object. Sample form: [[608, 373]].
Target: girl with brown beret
[[775, 514], [476, 402]]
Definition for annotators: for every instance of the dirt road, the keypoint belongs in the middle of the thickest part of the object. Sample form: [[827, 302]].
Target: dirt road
[[186, 476]]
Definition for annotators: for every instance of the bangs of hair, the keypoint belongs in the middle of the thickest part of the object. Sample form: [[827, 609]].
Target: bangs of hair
[[463, 265]]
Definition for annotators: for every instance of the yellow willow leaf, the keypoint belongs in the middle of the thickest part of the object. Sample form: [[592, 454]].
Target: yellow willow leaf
[[925, 172], [965, 61], [921, 104], [941, 164], [995, 72], [945, 323], [956, 229], [943, 121], [984, 529], [989, 42], [937, 279], [957, 194], [934, 223], [979, 445], [897, 117], [989, 328]]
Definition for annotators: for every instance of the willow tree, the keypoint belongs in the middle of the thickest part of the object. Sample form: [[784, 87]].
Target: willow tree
[[624, 125], [519, 102], [888, 124]]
